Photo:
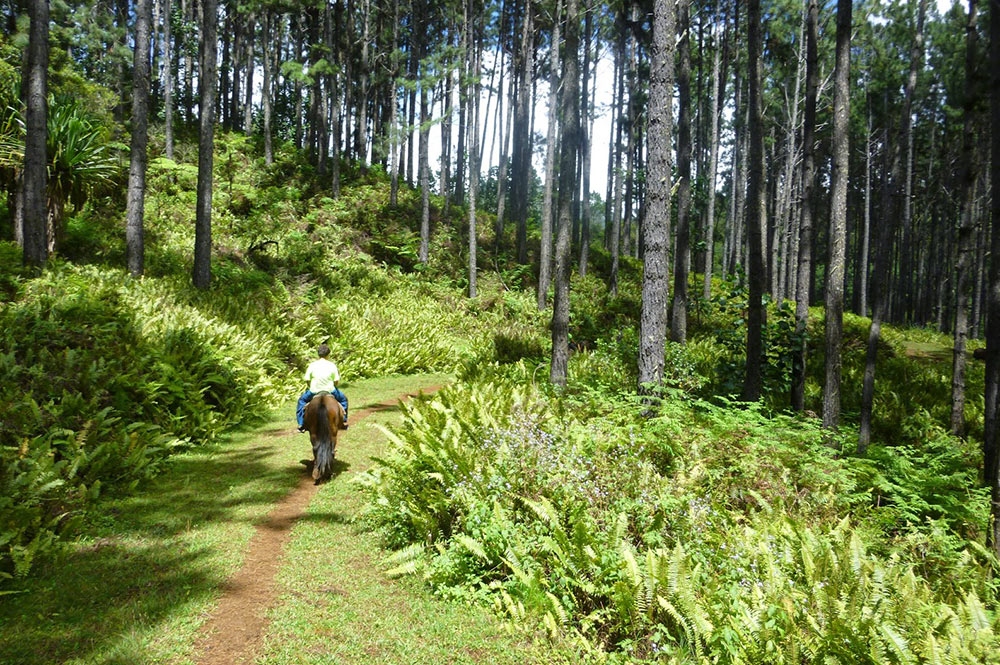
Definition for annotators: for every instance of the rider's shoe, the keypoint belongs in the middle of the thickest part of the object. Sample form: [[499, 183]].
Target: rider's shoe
[[302, 429]]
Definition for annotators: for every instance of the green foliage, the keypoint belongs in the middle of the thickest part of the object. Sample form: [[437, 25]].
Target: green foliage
[[704, 534]]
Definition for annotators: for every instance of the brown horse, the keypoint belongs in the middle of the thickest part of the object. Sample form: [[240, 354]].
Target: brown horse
[[324, 417]]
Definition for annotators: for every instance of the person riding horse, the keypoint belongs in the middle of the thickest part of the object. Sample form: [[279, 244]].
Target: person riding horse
[[322, 376]]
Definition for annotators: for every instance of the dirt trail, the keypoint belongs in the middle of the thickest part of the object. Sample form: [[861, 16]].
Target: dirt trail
[[233, 632]]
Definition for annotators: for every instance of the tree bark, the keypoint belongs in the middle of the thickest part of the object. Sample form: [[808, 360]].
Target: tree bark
[[616, 214], [656, 227], [715, 107], [473, 149], [752, 383], [522, 139], [251, 39], [991, 467], [545, 249], [425, 176], [266, 91], [134, 240], [168, 83], [966, 229], [838, 218], [586, 133], [35, 178], [202, 272], [916, 60], [567, 189], [682, 252]]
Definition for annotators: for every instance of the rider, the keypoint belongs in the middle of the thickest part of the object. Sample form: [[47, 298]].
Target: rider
[[321, 375]]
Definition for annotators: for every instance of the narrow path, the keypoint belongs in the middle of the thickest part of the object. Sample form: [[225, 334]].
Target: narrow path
[[232, 634]]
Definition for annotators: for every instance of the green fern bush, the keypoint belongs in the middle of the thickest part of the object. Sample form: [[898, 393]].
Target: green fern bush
[[705, 534]]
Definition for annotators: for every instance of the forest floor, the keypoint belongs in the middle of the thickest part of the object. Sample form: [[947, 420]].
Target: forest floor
[[232, 555]]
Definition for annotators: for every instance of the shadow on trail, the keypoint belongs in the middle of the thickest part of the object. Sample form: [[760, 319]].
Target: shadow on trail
[[103, 601]]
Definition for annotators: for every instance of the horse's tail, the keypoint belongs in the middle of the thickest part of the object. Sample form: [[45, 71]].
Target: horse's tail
[[323, 450]]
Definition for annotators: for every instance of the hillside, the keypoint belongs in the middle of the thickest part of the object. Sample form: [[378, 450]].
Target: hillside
[[705, 529]]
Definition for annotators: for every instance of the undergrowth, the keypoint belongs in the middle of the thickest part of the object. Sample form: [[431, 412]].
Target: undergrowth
[[707, 533]]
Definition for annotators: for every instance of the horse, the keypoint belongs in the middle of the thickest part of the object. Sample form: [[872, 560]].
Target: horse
[[324, 417]]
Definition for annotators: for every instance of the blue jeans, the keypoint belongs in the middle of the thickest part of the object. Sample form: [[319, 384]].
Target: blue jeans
[[300, 409]]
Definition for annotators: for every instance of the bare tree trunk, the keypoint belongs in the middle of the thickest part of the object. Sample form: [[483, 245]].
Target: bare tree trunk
[[586, 132], [965, 230], [756, 312], [838, 218], [248, 92], [502, 170], [265, 93], [134, 241], [202, 273], [682, 252], [425, 177], [977, 294], [473, 147], [393, 108], [545, 248], [991, 467], [35, 160], [168, 83], [715, 106], [616, 215], [300, 33], [916, 61], [567, 189], [867, 225], [522, 143], [656, 228]]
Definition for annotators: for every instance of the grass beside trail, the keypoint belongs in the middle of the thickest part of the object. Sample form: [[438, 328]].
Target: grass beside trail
[[137, 588], [338, 606]]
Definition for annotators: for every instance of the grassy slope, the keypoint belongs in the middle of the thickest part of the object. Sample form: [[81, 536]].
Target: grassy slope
[[137, 590]]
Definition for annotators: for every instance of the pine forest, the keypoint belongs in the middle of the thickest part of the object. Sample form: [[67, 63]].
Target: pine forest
[[644, 331]]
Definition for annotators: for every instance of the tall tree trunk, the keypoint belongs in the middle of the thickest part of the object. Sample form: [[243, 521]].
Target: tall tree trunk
[[966, 229], [202, 273], [225, 68], [682, 252], [715, 107], [586, 132], [916, 60], [265, 93], [752, 383], [616, 215], [522, 136], [300, 34], [135, 249], [838, 217], [862, 267], [168, 83], [187, 10], [34, 220], [394, 109], [977, 294], [248, 103], [656, 227], [473, 147], [567, 188], [991, 461], [231, 120], [545, 249], [425, 175], [502, 169], [879, 284]]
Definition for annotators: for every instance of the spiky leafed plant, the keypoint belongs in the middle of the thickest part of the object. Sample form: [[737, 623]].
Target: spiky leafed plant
[[80, 159]]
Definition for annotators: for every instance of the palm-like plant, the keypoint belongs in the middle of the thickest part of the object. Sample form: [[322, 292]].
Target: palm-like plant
[[80, 159]]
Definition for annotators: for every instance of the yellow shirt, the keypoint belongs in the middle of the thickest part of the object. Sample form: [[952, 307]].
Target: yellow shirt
[[322, 375]]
